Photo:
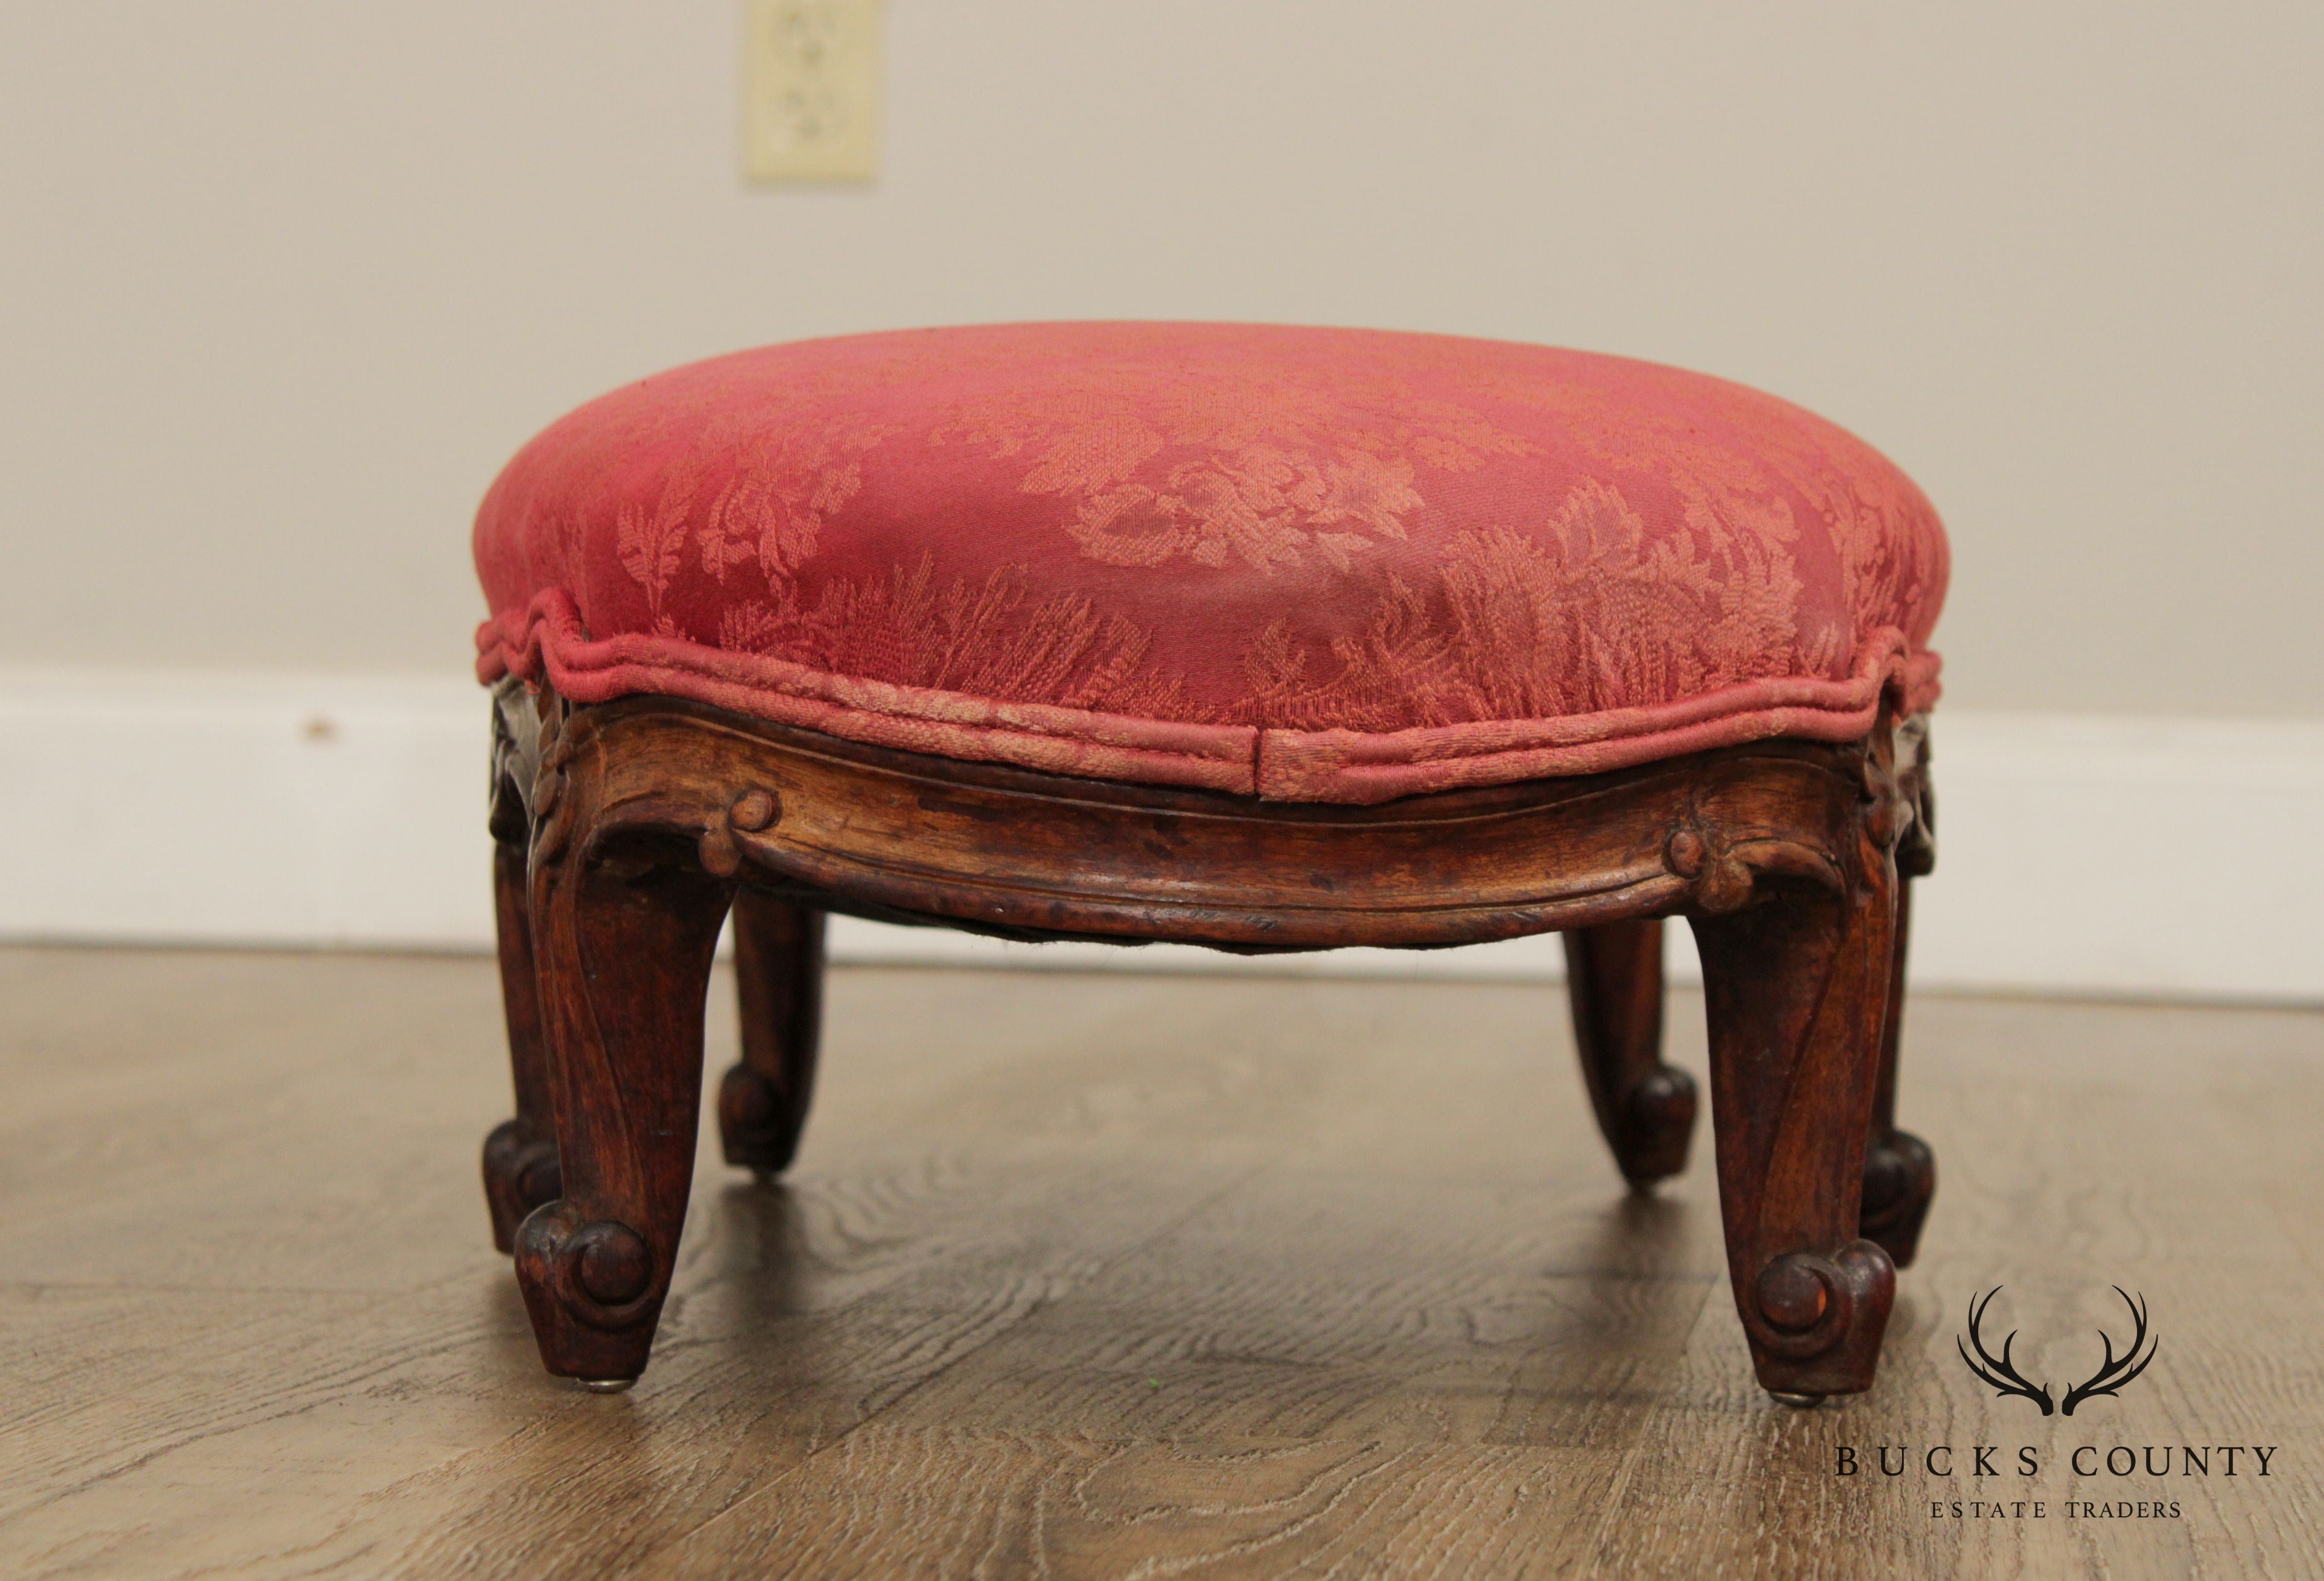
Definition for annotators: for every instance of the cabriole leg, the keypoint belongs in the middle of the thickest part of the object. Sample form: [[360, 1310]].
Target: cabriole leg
[[763, 1102], [623, 946], [1797, 992], [1645, 1108], [520, 1154]]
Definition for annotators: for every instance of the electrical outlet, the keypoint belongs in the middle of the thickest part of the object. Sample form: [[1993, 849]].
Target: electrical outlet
[[811, 106]]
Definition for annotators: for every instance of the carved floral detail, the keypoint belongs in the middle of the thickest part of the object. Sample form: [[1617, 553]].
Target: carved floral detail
[[1719, 880], [752, 812], [1888, 807], [552, 814]]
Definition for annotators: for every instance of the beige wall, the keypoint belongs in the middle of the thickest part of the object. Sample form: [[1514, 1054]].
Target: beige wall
[[281, 283]]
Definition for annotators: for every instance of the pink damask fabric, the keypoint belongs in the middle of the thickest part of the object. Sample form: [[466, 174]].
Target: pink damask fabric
[[1325, 565]]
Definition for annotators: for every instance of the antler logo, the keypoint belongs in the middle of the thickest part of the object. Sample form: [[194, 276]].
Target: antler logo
[[2112, 1373]]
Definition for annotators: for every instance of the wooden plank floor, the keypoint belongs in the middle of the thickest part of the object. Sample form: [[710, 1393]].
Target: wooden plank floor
[[1087, 1275]]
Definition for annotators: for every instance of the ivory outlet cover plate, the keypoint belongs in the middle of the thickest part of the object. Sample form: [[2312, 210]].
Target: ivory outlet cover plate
[[811, 90]]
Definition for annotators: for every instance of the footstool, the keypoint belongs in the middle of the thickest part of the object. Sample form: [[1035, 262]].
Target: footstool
[[1259, 638]]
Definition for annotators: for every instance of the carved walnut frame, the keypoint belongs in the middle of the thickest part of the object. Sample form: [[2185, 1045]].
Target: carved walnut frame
[[626, 829]]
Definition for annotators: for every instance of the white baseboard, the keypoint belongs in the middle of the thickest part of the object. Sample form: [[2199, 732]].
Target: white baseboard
[[2079, 854]]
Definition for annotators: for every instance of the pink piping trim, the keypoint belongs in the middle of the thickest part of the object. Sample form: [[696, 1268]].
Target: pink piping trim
[[1347, 766], [1356, 766], [547, 637]]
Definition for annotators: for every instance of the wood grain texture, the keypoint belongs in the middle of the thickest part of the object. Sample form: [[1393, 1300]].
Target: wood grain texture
[[1796, 992], [1082, 1275], [1019, 853], [623, 940]]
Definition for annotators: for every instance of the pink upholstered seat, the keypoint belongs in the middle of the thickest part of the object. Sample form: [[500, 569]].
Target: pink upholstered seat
[[1309, 564]]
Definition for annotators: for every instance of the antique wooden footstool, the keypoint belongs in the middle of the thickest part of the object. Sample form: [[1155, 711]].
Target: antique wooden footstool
[[1260, 638]]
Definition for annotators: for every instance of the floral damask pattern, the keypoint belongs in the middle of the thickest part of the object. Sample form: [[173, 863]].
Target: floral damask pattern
[[990, 639], [1243, 462], [753, 488], [1590, 615], [1224, 528]]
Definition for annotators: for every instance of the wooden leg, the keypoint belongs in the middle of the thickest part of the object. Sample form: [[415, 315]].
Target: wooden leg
[[520, 1154], [624, 948], [763, 1102], [1645, 1108], [1797, 992], [1900, 1172]]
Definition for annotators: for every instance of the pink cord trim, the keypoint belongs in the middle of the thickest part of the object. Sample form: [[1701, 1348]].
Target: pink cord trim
[[547, 639], [1355, 766]]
